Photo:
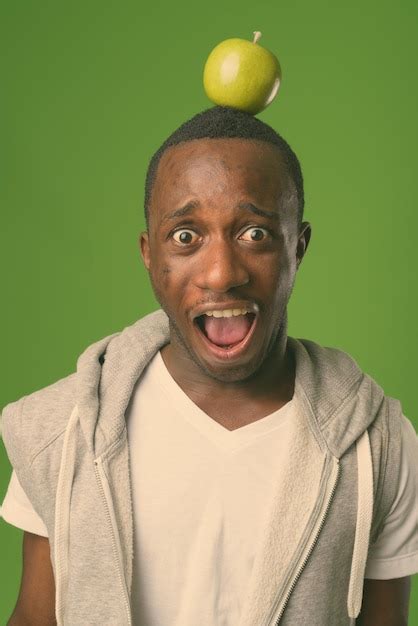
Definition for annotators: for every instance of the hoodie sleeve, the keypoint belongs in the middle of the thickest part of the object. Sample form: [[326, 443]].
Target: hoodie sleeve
[[18, 510], [10, 426], [395, 552]]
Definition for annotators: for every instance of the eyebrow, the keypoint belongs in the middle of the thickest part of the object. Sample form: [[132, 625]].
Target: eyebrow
[[191, 206]]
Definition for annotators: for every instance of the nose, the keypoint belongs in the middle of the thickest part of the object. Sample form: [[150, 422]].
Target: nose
[[221, 268]]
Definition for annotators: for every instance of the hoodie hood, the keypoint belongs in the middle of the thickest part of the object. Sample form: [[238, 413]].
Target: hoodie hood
[[108, 369], [338, 399]]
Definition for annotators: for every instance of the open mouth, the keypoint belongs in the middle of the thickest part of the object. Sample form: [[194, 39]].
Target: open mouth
[[226, 336]]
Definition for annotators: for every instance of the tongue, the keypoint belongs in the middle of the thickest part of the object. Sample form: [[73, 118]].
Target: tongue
[[225, 331]]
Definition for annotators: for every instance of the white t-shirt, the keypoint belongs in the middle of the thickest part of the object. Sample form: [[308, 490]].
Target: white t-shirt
[[199, 495]]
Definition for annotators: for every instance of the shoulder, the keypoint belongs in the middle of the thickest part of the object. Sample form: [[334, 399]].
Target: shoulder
[[30, 423], [348, 401], [394, 552], [321, 369], [388, 435]]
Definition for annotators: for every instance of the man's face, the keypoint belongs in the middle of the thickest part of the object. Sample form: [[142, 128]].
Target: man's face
[[219, 253]]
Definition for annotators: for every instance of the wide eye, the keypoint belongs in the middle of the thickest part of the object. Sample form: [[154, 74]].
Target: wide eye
[[255, 234], [184, 236]]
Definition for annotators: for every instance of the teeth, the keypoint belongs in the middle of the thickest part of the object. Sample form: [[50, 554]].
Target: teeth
[[227, 312]]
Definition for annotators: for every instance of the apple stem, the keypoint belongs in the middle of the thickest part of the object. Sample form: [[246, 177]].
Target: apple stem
[[257, 35]]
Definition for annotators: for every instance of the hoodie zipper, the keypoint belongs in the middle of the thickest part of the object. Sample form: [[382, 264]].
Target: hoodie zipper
[[104, 490], [275, 621]]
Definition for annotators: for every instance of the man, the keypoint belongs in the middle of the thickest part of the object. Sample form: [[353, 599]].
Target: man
[[200, 466]]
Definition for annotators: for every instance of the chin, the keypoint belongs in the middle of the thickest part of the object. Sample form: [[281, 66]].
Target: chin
[[230, 374], [234, 363]]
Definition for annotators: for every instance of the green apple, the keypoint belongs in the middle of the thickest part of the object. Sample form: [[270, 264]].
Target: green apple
[[242, 74]]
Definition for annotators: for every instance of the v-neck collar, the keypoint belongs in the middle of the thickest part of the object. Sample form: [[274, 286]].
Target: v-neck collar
[[228, 440]]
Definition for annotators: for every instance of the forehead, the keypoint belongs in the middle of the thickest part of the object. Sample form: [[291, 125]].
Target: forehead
[[211, 169]]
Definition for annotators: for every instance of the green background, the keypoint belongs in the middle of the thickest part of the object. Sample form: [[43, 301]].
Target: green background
[[90, 90]]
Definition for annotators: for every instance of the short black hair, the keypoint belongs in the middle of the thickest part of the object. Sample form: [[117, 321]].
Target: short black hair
[[221, 122]]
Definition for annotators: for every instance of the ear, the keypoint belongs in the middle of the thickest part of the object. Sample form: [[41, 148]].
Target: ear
[[144, 248], [303, 241]]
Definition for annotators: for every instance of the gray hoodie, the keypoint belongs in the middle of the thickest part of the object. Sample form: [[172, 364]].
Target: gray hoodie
[[68, 445]]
